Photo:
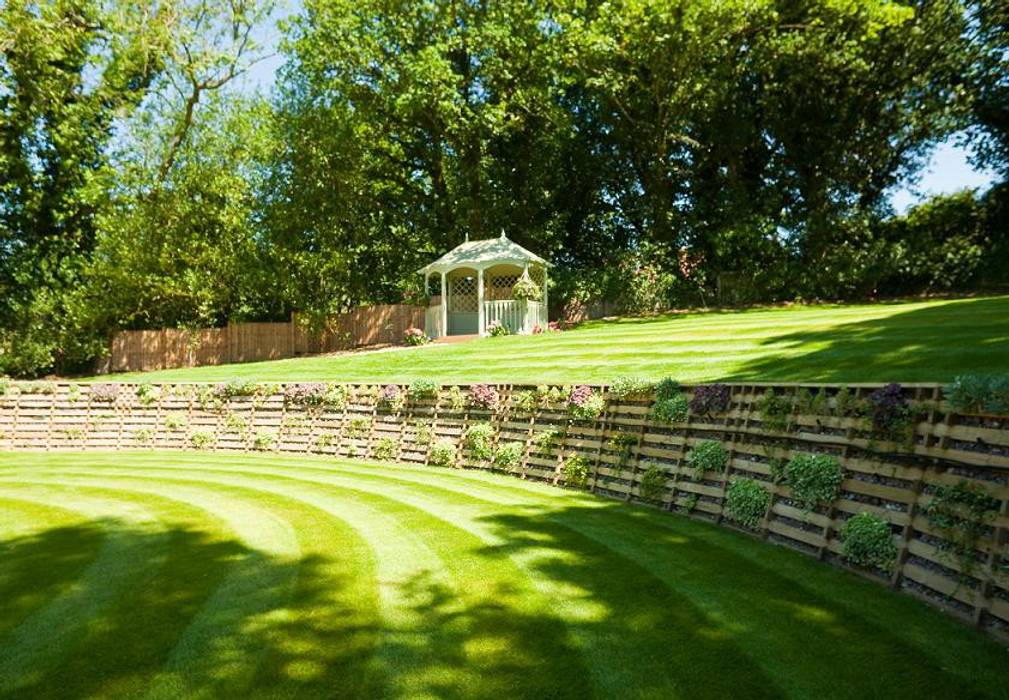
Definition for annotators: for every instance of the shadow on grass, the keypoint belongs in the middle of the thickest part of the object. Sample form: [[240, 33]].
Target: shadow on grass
[[200, 614], [931, 344], [688, 617]]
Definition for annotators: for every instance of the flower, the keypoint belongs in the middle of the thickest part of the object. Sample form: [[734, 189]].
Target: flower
[[495, 329], [415, 336], [483, 395]]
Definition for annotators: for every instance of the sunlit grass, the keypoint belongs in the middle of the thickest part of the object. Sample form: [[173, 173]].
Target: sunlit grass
[[179, 575], [919, 341]]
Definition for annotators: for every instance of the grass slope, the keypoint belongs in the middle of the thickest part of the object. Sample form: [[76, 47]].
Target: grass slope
[[188, 575], [923, 341]]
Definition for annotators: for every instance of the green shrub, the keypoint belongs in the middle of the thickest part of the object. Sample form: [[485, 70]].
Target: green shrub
[[653, 483], [868, 541], [264, 441], [667, 389], [961, 513], [478, 439], [201, 439], [746, 502], [358, 427], [73, 393], [456, 399], [384, 448], [630, 387], [973, 393], [690, 503], [774, 411], [708, 456], [814, 479], [525, 402], [671, 410], [148, 394], [143, 436], [423, 389], [545, 440], [423, 433], [509, 455], [336, 396], [623, 443], [5, 385], [175, 423], [575, 471], [235, 423], [443, 453]]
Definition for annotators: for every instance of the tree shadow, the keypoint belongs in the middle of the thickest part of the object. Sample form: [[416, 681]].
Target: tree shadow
[[204, 616], [931, 344], [704, 621]]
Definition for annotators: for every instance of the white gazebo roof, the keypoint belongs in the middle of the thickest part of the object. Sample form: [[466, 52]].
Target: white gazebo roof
[[483, 254]]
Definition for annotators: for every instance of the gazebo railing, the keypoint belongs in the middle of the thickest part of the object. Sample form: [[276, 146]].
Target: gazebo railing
[[516, 316]]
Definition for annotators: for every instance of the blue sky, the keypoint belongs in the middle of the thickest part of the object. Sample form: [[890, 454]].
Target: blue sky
[[948, 169]]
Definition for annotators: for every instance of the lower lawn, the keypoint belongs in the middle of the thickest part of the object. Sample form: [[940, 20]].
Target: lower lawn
[[902, 342], [171, 575]]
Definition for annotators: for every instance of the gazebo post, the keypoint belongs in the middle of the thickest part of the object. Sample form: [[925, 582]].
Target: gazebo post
[[444, 304], [546, 300], [479, 301]]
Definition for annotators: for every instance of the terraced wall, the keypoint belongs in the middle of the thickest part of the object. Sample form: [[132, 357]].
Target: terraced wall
[[893, 479]]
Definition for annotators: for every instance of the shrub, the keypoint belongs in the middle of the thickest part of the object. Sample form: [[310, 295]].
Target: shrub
[[336, 396], [774, 411], [972, 393], [143, 436], [746, 502], [391, 397], [585, 403], [690, 502], [148, 394], [576, 471], [524, 402], [201, 439], [710, 398], [73, 393], [264, 441], [443, 453], [868, 541], [104, 393], [306, 394], [423, 389], [483, 396], [814, 479], [630, 387], [5, 385], [653, 483], [456, 399], [496, 329], [237, 387], [545, 440], [175, 423], [478, 439], [526, 290], [235, 423], [622, 444], [509, 455], [423, 434], [415, 336], [358, 427], [961, 512], [384, 449], [891, 415], [671, 410], [667, 389], [708, 456]]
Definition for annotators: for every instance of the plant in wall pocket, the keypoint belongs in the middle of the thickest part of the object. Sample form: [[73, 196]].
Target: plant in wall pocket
[[483, 396], [746, 502], [442, 453], [707, 456], [575, 471], [585, 403], [478, 440], [962, 513], [891, 416], [710, 399], [867, 540], [391, 398], [814, 479], [671, 404]]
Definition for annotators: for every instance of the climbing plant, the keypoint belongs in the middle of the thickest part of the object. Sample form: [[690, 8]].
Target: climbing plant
[[961, 513]]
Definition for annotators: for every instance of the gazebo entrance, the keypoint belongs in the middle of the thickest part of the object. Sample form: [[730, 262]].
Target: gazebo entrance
[[463, 311], [483, 284]]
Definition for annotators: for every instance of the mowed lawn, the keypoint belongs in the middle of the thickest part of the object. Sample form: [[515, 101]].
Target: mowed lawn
[[903, 342], [174, 575]]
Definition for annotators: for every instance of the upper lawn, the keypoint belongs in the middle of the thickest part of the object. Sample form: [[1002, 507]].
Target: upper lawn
[[903, 342], [171, 575]]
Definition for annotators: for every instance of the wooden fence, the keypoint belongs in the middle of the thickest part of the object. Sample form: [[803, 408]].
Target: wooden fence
[[142, 351], [895, 482]]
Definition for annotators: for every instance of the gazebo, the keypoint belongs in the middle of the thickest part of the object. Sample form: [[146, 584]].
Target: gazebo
[[480, 282]]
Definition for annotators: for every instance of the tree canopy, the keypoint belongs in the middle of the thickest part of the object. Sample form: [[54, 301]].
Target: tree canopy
[[661, 151]]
